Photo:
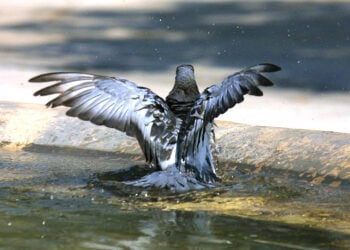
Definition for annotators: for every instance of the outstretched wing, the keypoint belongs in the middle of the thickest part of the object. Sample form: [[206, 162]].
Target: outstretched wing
[[212, 102], [218, 98], [120, 104]]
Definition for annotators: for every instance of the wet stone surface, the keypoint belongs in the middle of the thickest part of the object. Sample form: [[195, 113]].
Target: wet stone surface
[[315, 156], [47, 201]]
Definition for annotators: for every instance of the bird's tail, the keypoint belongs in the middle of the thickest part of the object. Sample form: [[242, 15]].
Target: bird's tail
[[195, 154]]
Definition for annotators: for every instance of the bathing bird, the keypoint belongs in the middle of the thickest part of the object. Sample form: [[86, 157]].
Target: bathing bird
[[176, 134]]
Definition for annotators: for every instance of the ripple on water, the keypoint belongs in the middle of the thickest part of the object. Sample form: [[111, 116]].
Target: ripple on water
[[47, 199]]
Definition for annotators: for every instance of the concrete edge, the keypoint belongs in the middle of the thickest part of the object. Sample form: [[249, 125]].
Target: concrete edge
[[318, 156]]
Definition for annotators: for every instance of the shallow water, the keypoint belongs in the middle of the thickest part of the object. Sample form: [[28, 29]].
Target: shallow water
[[48, 203]]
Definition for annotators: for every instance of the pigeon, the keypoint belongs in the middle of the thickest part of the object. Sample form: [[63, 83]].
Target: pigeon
[[176, 134]]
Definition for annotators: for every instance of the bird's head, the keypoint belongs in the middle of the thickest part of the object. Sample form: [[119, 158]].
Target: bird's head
[[185, 88], [184, 74]]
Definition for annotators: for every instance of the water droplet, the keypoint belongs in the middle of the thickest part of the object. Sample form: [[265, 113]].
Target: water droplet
[[144, 193], [160, 20], [43, 223], [9, 224]]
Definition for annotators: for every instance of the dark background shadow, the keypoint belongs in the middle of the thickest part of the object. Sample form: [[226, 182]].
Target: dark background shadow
[[309, 40]]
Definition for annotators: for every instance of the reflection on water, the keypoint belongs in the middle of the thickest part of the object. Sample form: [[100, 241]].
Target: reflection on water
[[47, 204]]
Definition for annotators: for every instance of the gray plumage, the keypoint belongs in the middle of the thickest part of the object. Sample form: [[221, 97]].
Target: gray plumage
[[175, 134]]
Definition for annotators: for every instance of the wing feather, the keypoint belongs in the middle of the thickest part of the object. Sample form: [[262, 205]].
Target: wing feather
[[218, 98], [116, 103], [196, 135]]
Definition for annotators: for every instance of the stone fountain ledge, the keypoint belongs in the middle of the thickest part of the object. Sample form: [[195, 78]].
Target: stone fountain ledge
[[318, 156]]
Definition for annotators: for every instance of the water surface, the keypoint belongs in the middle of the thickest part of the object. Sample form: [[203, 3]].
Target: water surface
[[49, 202]]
